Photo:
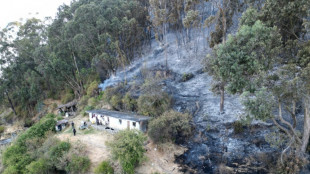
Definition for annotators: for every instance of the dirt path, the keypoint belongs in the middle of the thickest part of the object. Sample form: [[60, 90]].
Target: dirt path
[[97, 151], [160, 161], [94, 142]]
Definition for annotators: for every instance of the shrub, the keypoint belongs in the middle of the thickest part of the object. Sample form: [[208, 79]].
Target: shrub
[[47, 116], [59, 118], [109, 93], [2, 129], [128, 149], [58, 151], [92, 102], [187, 77], [38, 130], [104, 168], [78, 164], [9, 117], [170, 126], [87, 108], [83, 102], [39, 166], [129, 103], [238, 127], [28, 122], [116, 102], [92, 89], [67, 97], [11, 170], [154, 104], [54, 106], [15, 159]]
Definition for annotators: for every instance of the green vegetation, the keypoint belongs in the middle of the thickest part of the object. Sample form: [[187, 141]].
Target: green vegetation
[[2, 128], [128, 149], [267, 61], [154, 104], [67, 97], [129, 103], [187, 77], [78, 164], [170, 126], [85, 43], [92, 89], [36, 151], [104, 168], [59, 118], [238, 127]]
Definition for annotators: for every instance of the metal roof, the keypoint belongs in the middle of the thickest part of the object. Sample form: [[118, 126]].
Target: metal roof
[[61, 122], [72, 103], [121, 115]]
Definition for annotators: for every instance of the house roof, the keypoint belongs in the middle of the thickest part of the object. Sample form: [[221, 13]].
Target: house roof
[[120, 115], [72, 103], [61, 122]]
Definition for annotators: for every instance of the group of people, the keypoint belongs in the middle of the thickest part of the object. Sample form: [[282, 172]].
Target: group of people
[[73, 128]]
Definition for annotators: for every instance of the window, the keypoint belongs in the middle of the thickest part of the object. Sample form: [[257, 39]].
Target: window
[[120, 121], [134, 124]]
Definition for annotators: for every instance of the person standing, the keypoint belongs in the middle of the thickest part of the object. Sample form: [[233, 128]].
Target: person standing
[[72, 124], [74, 131]]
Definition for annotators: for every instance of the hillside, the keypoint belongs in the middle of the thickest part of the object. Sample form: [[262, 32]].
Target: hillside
[[224, 83]]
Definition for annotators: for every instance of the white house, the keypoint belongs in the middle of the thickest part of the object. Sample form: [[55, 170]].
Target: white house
[[118, 120]]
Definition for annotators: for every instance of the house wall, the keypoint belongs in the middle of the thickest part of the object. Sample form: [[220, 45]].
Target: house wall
[[114, 122]]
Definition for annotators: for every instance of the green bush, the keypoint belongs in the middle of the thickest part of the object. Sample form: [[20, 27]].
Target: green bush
[[104, 168], [128, 149], [109, 93], [28, 122], [78, 164], [87, 108], [154, 105], [15, 159], [116, 102], [187, 77], [39, 166], [56, 152], [59, 118], [38, 130], [129, 103], [84, 101], [67, 97], [2, 129], [92, 102], [9, 117], [238, 127], [49, 115], [100, 96], [11, 170], [92, 89], [170, 126]]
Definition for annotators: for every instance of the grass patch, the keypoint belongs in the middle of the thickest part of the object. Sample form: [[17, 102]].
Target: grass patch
[[89, 131]]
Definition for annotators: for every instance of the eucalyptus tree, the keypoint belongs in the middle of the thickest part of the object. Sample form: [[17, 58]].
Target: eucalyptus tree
[[222, 20]]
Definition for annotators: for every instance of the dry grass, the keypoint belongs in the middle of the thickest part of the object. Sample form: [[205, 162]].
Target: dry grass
[[161, 159]]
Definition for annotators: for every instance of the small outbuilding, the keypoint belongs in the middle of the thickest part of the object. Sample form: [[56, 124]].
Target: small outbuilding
[[60, 125], [68, 108], [118, 120]]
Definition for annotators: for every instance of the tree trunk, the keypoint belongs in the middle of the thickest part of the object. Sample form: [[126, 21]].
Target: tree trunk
[[11, 103], [294, 113], [222, 99], [306, 133]]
